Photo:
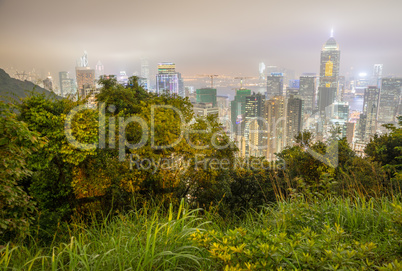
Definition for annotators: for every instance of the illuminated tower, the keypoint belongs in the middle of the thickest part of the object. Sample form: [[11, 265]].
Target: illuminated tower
[[390, 97], [329, 74], [307, 89], [85, 76], [66, 84], [144, 80], [274, 84], [368, 120], [169, 80], [99, 70]]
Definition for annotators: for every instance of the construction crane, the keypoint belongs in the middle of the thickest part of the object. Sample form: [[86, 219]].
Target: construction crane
[[241, 80], [210, 76], [21, 75]]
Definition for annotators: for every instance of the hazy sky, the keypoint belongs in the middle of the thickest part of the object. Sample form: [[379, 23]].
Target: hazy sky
[[203, 36]]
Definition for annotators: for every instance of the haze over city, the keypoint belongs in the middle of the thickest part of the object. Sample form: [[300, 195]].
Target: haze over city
[[225, 37]]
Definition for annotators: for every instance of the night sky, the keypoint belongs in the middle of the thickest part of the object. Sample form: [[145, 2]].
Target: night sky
[[221, 36]]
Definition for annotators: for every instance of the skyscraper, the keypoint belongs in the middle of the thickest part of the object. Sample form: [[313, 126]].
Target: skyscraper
[[85, 76], [145, 79], [261, 69], [294, 113], [337, 115], [368, 120], [48, 83], [390, 97], [329, 74], [238, 106], [307, 91], [169, 80], [275, 115], [66, 84], [99, 71], [377, 75], [274, 84], [206, 95], [253, 110]]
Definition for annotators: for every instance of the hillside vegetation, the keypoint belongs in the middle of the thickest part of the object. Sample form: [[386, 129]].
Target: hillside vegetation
[[105, 205]]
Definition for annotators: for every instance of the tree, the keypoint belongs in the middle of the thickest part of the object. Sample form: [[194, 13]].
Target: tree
[[17, 142]]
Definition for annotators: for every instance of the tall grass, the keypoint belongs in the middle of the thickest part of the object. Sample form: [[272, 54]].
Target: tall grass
[[144, 239], [300, 233]]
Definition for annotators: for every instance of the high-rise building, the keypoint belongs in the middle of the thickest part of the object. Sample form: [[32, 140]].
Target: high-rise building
[[85, 80], [274, 84], [85, 77], [377, 75], [145, 79], [169, 80], [294, 119], [261, 69], [99, 71], [337, 115], [206, 95], [307, 91], [294, 83], [237, 107], [66, 84], [122, 79], [48, 83], [329, 74], [390, 97], [368, 120], [350, 132], [254, 109], [275, 115]]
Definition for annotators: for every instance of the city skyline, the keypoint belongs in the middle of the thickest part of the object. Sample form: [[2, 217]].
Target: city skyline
[[200, 37]]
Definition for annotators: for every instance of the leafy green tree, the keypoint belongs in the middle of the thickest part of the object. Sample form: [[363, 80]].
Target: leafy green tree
[[17, 143], [53, 164]]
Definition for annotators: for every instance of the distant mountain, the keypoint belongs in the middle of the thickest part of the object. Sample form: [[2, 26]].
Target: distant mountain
[[14, 88]]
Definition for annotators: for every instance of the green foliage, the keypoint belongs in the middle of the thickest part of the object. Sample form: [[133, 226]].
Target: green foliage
[[17, 143], [52, 165], [333, 234], [330, 235], [387, 150]]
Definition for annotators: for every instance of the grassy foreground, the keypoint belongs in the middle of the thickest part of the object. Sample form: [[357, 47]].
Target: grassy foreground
[[332, 234]]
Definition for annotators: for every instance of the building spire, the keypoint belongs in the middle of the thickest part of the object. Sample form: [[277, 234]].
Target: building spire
[[332, 32]]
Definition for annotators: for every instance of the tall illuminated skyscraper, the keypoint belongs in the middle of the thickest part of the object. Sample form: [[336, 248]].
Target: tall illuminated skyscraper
[[377, 75], [85, 76], [275, 115], [99, 71], [368, 120], [274, 84], [145, 80], [48, 83], [254, 109], [66, 84], [294, 124], [329, 74], [307, 87], [169, 80], [390, 99], [237, 107]]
